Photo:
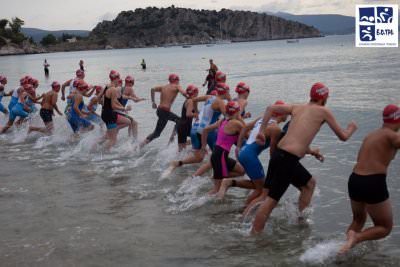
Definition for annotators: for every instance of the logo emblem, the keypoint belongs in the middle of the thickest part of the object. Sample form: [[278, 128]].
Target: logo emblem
[[377, 26]]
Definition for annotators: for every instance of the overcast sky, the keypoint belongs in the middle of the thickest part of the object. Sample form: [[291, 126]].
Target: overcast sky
[[85, 14]]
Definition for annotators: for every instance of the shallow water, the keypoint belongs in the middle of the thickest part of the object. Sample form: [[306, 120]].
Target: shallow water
[[62, 204]]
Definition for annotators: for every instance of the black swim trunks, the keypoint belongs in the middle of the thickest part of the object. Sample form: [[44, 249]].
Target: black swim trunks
[[221, 163], [163, 117], [371, 189], [46, 115], [284, 169]]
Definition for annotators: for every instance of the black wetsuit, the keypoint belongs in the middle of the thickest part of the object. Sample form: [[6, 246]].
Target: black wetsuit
[[163, 117], [108, 115], [184, 126]]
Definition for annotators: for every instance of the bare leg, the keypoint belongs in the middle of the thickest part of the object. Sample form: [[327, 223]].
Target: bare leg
[[382, 217], [258, 189], [134, 129], [48, 129], [7, 126], [203, 169], [306, 194], [111, 138], [217, 185], [237, 171], [263, 213], [196, 157], [255, 202]]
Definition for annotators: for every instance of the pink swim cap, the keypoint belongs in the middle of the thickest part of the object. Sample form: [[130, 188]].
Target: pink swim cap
[[114, 75], [220, 77], [192, 90], [222, 88], [173, 78], [232, 107], [242, 88]]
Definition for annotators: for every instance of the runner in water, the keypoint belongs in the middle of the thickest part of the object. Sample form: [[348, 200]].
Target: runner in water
[[92, 106], [243, 91], [3, 82], [210, 81], [46, 68], [284, 166], [20, 109], [213, 107], [49, 103], [81, 66], [110, 106], [14, 93], [367, 184], [227, 135], [187, 114], [77, 116], [168, 94]]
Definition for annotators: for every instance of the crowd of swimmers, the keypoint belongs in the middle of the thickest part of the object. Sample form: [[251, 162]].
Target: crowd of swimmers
[[217, 120]]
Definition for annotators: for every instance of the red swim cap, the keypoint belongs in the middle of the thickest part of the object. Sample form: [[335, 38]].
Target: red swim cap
[[192, 90], [55, 86], [35, 82], [98, 88], [278, 102], [232, 107], [129, 79], [391, 114], [213, 92], [82, 85], [319, 91], [113, 75], [120, 82], [173, 78], [222, 88], [28, 79], [242, 88], [220, 77], [80, 74]]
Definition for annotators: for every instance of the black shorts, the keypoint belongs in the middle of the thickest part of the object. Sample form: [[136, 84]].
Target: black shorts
[[221, 163], [183, 129], [284, 169], [370, 189], [46, 115]]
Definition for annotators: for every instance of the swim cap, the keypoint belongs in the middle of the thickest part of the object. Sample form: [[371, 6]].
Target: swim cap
[[173, 78], [3, 79], [113, 75], [22, 81], [232, 107], [35, 82], [129, 79], [82, 86], [98, 88], [28, 87], [192, 90], [28, 79], [222, 88], [220, 77], [319, 91], [242, 88], [55, 86], [213, 92], [80, 74], [391, 114], [119, 82]]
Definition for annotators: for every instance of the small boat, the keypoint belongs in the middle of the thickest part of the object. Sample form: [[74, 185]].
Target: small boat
[[209, 45], [293, 41], [186, 46]]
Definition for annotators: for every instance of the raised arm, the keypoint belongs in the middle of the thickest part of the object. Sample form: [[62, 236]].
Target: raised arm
[[63, 89], [342, 134], [152, 93], [183, 92], [202, 98]]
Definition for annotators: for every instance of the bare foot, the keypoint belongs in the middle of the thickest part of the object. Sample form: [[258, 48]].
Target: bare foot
[[351, 241], [225, 184], [174, 164], [249, 209], [212, 192]]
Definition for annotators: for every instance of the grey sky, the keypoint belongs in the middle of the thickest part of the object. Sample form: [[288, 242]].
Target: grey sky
[[85, 14]]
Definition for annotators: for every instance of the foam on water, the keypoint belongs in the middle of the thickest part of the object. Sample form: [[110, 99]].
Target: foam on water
[[322, 253]]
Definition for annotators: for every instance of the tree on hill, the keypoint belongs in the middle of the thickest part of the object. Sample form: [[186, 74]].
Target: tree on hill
[[13, 31], [16, 24], [49, 39]]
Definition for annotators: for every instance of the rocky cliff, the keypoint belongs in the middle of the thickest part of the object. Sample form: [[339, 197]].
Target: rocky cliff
[[163, 26], [25, 48]]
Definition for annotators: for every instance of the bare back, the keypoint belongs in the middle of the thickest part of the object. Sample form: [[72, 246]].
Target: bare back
[[306, 121], [168, 95], [48, 100], [376, 152]]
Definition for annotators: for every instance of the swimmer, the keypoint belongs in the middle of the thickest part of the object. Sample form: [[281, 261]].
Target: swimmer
[[229, 129], [3, 82], [243, 91], [168, 94], [77, 117], [284, 166], [187, 114], [92, 106], [213, 107], [48, 104], [20, 109], [367, 184], [249, 152], [110, 106]]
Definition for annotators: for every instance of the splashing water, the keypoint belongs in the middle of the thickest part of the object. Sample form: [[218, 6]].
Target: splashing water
[[322, 253]]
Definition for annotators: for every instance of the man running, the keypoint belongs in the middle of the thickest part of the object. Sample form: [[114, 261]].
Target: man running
[[49, 103], [284, 166], [168, 94], [3, 82], [367, 184]]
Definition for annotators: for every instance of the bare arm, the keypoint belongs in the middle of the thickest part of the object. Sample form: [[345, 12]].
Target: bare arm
[[189, 108], [244, 131], [275, 135], [63, 89], [54, 103], [205, 132], [202, 98], [342, 134], [396, 140], [89, 93], [77, 101], [114, 101], [182, 91], [152, 93]]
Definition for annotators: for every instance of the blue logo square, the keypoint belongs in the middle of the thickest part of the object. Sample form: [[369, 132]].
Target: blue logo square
[[367, 14], [384, 14], [367, 33]]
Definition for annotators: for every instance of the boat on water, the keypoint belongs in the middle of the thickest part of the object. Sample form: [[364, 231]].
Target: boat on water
[[292, 41], [186, 46]]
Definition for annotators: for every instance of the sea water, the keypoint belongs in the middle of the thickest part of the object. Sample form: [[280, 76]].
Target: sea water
[[63, 203]]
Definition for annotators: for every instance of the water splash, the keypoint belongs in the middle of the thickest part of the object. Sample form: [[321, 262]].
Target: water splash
[[322, 253]]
